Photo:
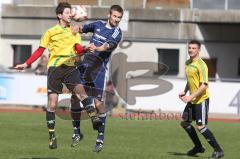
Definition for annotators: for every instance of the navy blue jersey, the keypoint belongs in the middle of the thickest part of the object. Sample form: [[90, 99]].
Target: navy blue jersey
[[103, 34], [93, 66]]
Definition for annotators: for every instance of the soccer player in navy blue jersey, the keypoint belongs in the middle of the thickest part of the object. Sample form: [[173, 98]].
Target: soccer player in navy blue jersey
[[105, 38]]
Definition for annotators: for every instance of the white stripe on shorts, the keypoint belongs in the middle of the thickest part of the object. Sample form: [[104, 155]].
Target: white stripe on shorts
[[204, 112]]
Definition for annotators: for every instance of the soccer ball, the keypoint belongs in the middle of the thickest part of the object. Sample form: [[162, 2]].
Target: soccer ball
[[79, 13]]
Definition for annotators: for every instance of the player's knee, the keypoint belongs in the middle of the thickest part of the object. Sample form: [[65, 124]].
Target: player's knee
[[100, 108], [52, 105], [51, 109], [98, 104], [185, 124], [80, 92], [52, 102]]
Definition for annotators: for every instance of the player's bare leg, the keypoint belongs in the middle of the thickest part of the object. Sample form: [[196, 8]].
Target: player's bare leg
[[50, 117]]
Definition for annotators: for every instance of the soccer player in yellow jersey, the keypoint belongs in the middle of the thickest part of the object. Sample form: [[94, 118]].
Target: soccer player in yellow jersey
[[63, 47], [197, 102]]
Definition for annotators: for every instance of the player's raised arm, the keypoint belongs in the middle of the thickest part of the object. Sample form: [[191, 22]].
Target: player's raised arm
[[92, 47], [88, 27], [31, 59]]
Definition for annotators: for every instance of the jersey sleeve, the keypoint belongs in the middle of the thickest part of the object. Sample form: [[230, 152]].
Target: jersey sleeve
[[114, 40], [203, 73], [89, 27], [35, 55], [45, 39]]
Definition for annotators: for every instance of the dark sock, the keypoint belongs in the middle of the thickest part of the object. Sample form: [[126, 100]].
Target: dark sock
[[50, 117], [89, 105], [76, 126], [76, 115], [51, 133], [101, 129], [193, 135], [210, 138]]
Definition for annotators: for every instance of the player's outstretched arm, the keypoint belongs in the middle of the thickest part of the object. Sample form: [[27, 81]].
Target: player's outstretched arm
[[102, 48], [31, 59], [21, 66], [108, 46]]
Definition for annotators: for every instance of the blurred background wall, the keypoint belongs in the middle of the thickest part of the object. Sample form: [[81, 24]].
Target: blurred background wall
[[154, 31], [157, 28]]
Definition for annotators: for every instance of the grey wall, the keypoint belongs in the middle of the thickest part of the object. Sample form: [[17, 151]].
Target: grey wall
[[144, 24], [168, 28]]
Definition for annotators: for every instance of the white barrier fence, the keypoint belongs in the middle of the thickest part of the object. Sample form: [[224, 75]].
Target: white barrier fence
[[224, 98], [23, 89], [29, 89]]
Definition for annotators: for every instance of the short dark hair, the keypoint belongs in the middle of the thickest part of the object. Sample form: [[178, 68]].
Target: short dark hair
[[61, 6], [195, 42], [116, 8]]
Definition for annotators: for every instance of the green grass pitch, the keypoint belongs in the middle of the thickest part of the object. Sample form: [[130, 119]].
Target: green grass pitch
[[25, 136]]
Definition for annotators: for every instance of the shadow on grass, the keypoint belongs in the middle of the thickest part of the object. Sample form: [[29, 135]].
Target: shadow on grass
[[41, 158], [184, 154]]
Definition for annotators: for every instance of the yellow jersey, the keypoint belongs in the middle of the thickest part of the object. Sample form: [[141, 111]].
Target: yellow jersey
[[197, 73], [60, 43]]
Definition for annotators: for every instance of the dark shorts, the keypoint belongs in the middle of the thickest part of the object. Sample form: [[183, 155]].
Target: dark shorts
[[92, 75], [69, 75], [198, 112]]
